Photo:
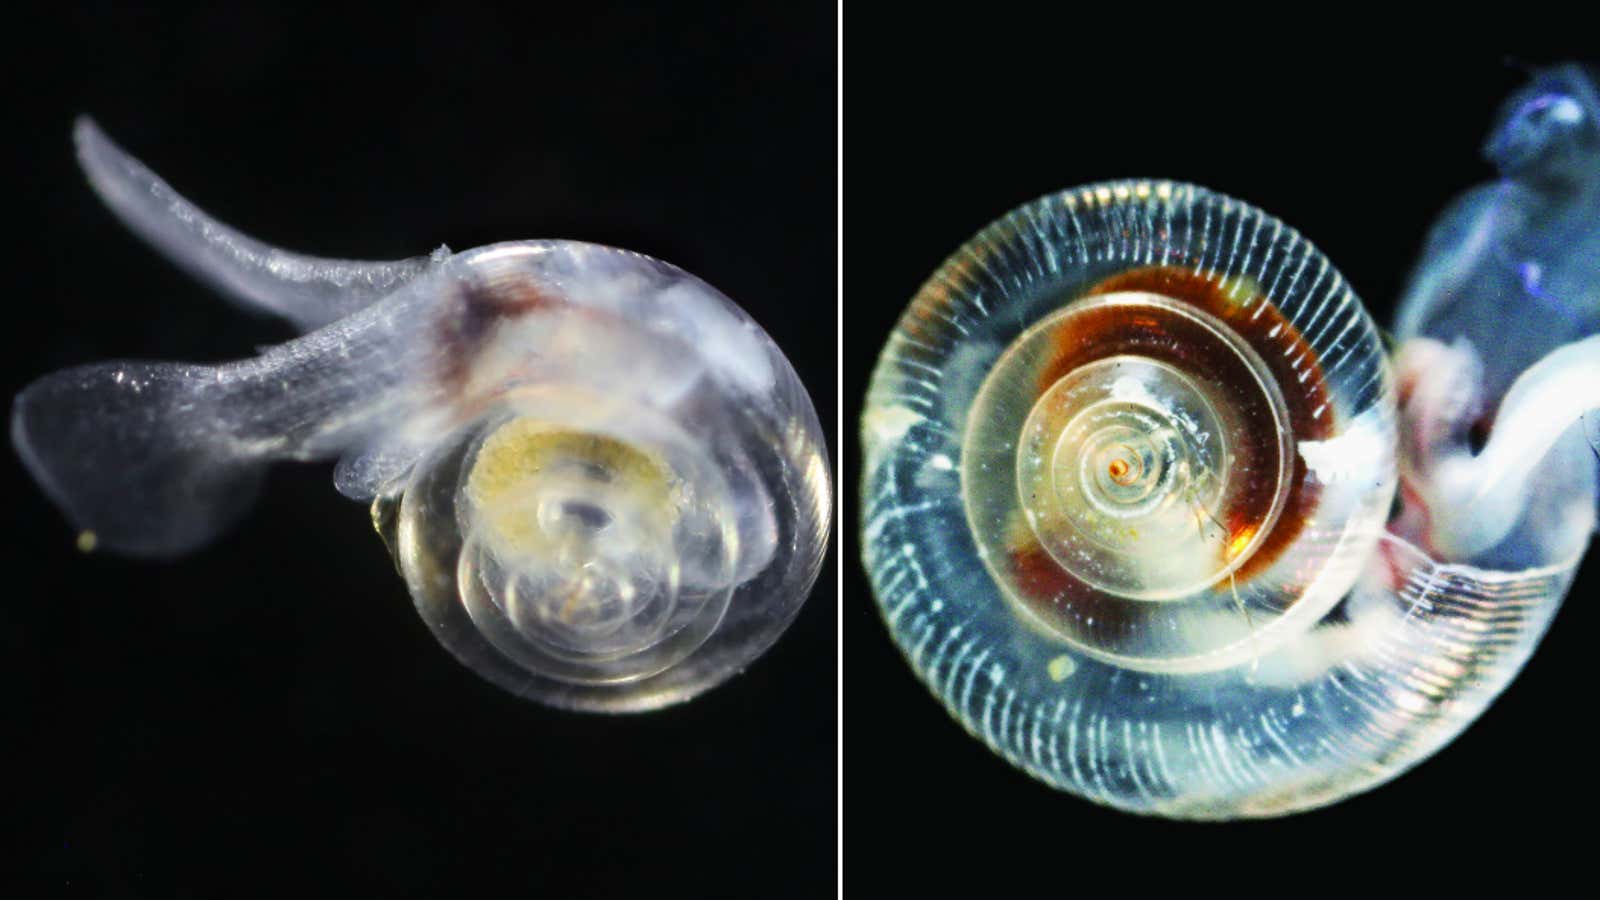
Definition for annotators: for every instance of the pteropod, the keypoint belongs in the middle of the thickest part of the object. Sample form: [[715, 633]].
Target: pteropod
[[1149, 505], [604, 484]]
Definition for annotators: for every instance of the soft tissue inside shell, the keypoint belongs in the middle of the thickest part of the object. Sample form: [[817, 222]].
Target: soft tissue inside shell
[[1223, 340], [1251, 314], [534, 484]]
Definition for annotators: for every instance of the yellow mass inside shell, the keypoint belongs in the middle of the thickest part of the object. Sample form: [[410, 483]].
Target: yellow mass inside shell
[[530, 478]]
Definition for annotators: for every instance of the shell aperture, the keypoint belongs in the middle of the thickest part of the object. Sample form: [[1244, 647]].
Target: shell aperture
[[604, 483], [1147, 506]]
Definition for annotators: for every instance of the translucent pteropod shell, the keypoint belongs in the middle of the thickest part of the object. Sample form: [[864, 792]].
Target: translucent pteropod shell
[[1130, 461], [604, 484]]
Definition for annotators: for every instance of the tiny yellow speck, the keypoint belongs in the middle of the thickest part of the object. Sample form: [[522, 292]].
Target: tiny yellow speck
[[1061, 668], [87, 540], [1240, 289]]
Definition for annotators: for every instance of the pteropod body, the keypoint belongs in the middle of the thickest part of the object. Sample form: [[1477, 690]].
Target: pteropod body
[[603, 482]]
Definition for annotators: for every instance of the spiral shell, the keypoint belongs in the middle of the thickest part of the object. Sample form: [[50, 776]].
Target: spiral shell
[[1130, 459], [624, 526], [1128, 453]]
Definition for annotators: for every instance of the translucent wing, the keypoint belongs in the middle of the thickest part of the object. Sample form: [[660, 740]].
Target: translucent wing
[[156, 458], [308, 291]]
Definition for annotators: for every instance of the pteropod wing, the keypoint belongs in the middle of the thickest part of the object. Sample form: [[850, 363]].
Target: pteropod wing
[[308, 291], [158, 458]]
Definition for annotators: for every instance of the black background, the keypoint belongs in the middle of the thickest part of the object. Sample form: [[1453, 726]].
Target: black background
[[950, 125], [271, 714]]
